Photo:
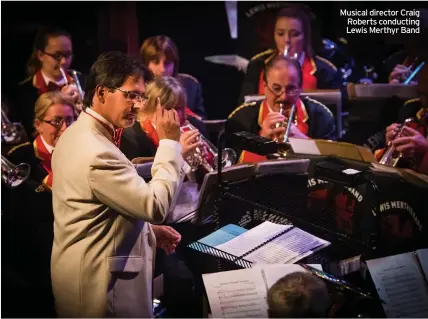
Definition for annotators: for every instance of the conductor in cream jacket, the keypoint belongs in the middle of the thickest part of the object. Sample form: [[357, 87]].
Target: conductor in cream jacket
[[103, 251]]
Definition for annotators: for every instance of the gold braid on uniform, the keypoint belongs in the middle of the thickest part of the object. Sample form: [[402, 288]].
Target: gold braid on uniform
[[319, 103], [327, 61], [241, 107]]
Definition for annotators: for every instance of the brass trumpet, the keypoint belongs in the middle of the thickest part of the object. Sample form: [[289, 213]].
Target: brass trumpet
[[207, 155], [285, 149], [13, 175], [287, 48], [11, 133], [391, 157], [76, 84]]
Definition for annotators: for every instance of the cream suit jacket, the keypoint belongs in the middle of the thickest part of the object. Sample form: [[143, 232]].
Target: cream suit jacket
[[103, 251]]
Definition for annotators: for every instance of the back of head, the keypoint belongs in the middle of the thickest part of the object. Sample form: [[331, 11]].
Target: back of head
[[155, 47], [283, 61], [40, 42], [298, 295], [111, 70], [169, 91]]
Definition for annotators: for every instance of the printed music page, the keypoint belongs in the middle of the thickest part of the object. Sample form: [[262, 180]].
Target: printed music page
[[237, 294], [249, 240], [422, 255], [290, 247], [400, 284]]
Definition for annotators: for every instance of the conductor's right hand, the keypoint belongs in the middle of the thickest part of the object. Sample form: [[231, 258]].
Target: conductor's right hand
[[268, 126], [167, 123]]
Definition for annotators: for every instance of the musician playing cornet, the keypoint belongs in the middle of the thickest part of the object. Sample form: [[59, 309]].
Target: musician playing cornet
[[283, 84], [47, 69]]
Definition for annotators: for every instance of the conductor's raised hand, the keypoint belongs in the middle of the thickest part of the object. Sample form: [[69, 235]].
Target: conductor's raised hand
[[167, 123]]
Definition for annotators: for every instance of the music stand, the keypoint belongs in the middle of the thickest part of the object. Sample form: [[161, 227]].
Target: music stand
[[381, 90]]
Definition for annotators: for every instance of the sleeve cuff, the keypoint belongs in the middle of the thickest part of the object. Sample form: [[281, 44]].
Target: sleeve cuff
[[170, 143]]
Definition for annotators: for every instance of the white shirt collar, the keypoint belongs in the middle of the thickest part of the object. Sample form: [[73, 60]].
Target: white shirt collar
[[48, 79], [50, 148], [99, 117]]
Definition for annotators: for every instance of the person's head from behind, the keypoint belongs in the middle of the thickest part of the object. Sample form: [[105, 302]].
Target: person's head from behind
[[298, 295], [171, 95], [52, 50], [115, 88], [160, 55], [293, 29], [283, 81], [54, 112]]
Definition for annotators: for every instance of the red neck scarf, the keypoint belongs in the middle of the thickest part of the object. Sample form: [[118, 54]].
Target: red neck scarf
[[43, 154], [40, 84], [300, 122], [116, 134], [309, 82], [150, 131]]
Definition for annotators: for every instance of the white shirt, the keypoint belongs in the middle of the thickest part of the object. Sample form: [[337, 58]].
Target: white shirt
[[49, 148], [48, 79]]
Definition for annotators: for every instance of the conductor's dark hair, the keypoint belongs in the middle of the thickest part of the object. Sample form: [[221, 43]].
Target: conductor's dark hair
[[288, 61], [111, 70]]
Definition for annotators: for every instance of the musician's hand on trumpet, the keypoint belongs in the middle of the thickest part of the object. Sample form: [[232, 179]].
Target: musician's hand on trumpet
[[399, 74], [190, 141], [269, 125], [391, 132], [411, 142]]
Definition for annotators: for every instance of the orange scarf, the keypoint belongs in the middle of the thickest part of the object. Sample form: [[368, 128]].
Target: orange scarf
[[301, 119], [43, 154], [150, 131]]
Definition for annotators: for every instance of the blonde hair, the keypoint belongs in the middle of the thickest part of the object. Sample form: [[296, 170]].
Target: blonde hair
[[170, 92], [46, 100]]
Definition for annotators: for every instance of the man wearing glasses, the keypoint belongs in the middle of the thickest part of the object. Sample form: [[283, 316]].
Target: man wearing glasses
[[103, 252], [283, 84]]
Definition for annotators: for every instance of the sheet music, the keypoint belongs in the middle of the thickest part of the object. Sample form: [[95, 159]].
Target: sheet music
[[423, 260], [237, 294], [290, 247], [399, 282], [249, 240]]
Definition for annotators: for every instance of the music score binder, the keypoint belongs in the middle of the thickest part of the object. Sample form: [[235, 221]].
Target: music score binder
[[267, 243]]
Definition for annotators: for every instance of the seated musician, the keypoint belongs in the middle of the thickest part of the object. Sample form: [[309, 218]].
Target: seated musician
[[32, 200], [413, 139], [160, 55], [52, 51], [298, 295], [283, 83], [292, 30], [141, 139]]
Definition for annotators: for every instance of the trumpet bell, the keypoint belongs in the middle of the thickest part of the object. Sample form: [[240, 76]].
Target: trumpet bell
[[14, 175]]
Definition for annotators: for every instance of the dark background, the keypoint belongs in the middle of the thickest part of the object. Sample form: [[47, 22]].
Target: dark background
[[199, 29]]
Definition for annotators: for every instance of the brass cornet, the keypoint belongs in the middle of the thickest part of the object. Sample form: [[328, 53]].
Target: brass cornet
[[207, 155], [287, 48], [11, 133], [13, 175], [76, 84]]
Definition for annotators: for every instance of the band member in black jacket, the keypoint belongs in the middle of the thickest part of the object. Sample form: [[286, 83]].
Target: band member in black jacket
[[283, 83], [160, 55], [292, 31], [52, 52]]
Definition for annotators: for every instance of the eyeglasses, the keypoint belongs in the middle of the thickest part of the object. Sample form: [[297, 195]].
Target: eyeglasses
[[59, 121], [133, 96], [59, 55], [279, 90]]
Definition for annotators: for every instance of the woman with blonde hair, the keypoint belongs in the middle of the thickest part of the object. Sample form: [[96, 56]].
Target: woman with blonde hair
[[31, 202], [141, 140]]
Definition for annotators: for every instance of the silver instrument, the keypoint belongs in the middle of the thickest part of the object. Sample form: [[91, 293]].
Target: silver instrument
[[76, 84], [207, 156], [13, 175], [11, 133], [286, 52], [285, 149]]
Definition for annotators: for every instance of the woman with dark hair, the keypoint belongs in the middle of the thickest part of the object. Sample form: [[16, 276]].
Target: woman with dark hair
[[52, 55], [160, 55], [292, 31]]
